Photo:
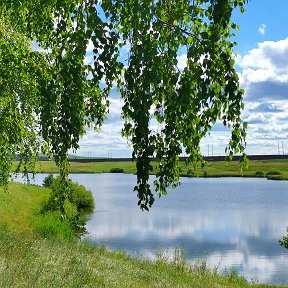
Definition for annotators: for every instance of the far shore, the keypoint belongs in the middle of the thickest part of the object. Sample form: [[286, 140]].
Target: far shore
[[272, 169]]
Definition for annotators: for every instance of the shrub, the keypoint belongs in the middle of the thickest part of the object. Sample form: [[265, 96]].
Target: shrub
[[71, 205], [284, 241], [191, 171], [77, 194], [116, 170], [274, 177], [259, 173], [273, 172], [70, 210], [80, 197], [48, 180]]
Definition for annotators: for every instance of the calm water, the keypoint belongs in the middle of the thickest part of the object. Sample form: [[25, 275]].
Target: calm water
[[230, 222]]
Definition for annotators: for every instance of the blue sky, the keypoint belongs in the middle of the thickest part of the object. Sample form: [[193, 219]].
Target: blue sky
[[262, 64]]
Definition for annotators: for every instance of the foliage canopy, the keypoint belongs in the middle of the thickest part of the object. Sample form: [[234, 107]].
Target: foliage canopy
[[48, 98]]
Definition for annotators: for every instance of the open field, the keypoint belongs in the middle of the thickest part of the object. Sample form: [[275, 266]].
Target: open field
[[29, 260], [257, 168]]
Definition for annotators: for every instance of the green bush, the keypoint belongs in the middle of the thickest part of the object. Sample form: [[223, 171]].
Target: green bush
[[273, 172], [191, 171], [48, 180], [284, 241], [69, 204], [259, 173], [80, 197], [70, 210], [116, 170], [77, 194], [274, 177]]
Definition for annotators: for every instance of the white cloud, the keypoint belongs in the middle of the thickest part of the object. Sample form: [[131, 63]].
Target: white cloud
[[264, 73], [262, 29], [182, 61]]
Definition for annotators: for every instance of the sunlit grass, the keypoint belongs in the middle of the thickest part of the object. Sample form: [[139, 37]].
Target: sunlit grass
[[20, 204], [28, 261]]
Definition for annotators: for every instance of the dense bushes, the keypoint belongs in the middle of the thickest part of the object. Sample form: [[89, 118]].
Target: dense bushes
[[273, 172], [274, 175], [116, 170], [76, 194], [47, 182], [259, 173], [78, 202], [284, 241]]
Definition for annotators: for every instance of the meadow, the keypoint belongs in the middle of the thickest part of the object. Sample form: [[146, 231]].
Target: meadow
[[275, 169]]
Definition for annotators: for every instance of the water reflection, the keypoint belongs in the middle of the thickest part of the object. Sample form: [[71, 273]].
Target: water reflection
[[234, 222], [231, 222]]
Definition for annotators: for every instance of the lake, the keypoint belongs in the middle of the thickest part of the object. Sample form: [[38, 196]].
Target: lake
[[230, 222]]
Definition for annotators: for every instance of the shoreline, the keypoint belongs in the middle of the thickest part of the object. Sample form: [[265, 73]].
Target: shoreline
[[269, 169]]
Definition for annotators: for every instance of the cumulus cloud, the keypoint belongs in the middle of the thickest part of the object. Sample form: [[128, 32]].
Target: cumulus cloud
[[262, 29], [182, 61], [268, 108], [264, 76], [264, 73]]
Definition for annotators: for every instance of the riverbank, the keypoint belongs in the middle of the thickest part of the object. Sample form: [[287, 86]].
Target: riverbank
[[29, 260], [272, 169]]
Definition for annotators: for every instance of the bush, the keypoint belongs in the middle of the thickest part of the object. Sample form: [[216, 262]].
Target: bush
[[70, 205], [259, 173], [77, 194], [273, 172], [284, 241], [117, 170], [80, 197], [274, 177], [48, 180], [191, 171]]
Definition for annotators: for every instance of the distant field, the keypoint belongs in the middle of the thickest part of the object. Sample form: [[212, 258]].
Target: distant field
[[259, 168]]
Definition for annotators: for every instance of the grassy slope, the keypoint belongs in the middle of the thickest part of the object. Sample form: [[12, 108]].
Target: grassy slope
[[45, 263], [27, 260], [212, 169], [20, 205]]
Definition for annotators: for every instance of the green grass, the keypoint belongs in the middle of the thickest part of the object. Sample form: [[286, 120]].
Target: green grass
[[29, 260], [222, 169], [21, 205], [212, 169]]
